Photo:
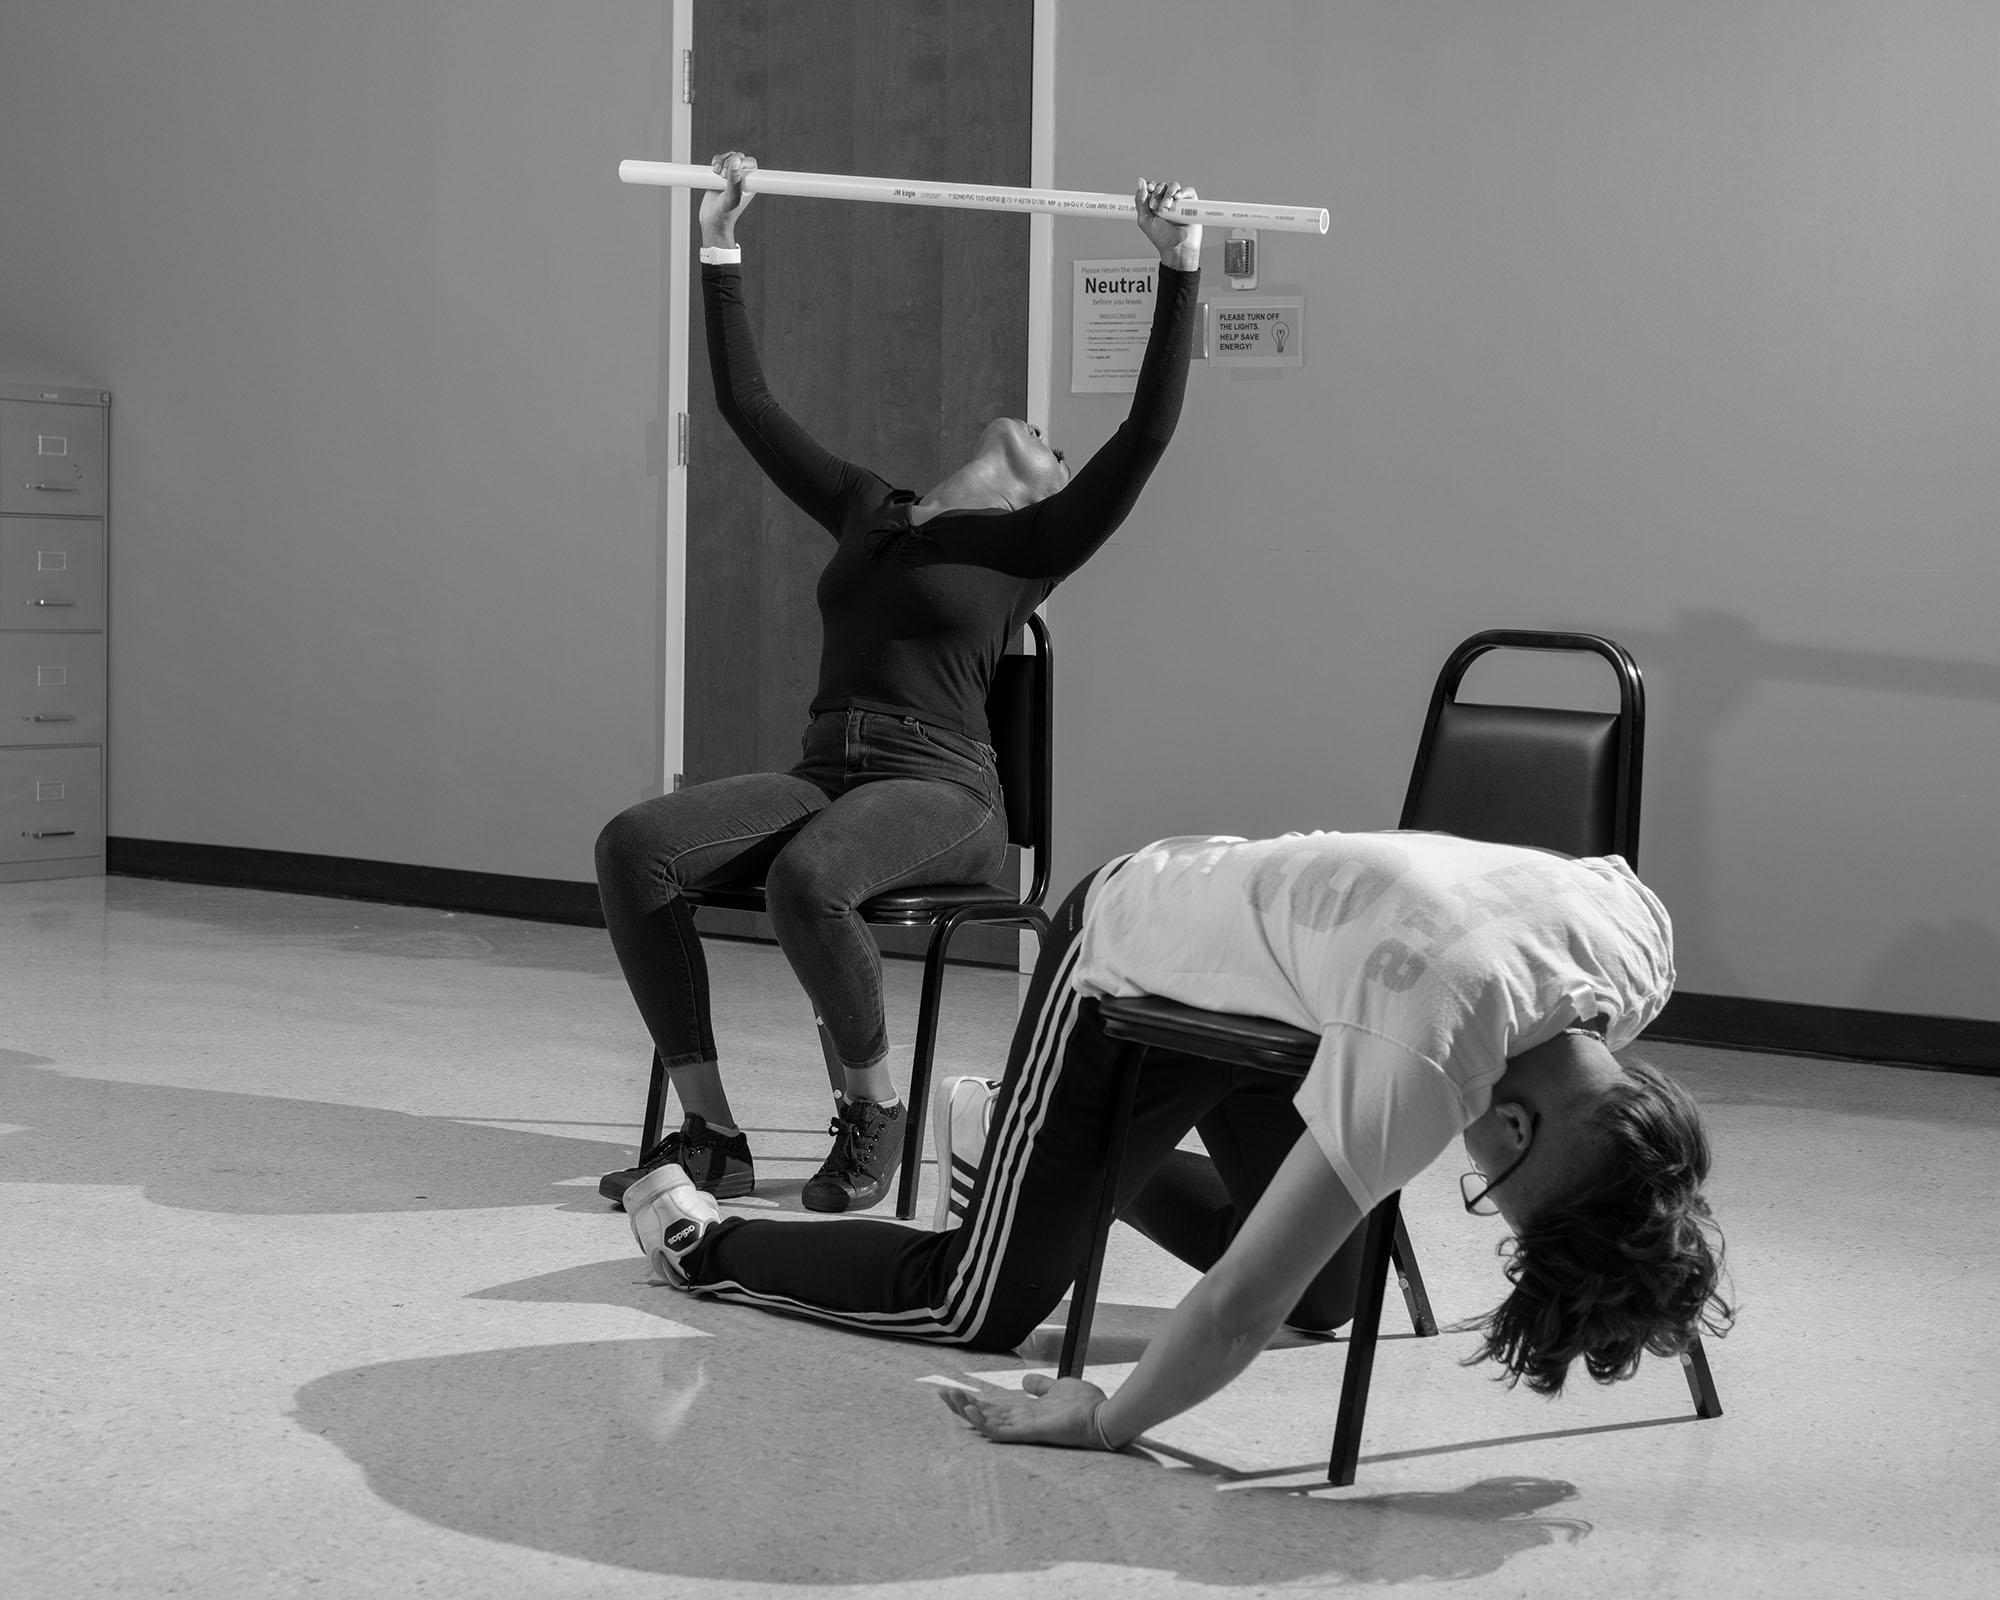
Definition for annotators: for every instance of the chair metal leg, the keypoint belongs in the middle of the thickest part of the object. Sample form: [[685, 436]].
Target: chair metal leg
[[1375, 1252], [1031, 919], [1403, 1256], [929, 1010], [1694, 1362], [917, 1096], [1083, 1294], [656, 1107]]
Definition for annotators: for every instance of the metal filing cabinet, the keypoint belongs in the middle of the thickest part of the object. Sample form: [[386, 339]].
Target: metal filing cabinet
[[54, 495]]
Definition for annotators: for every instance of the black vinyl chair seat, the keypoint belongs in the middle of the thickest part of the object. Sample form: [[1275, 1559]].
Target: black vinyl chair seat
[[1020, 714], [1527, 775], [922, 904], [916, 905], [1240, 1041]]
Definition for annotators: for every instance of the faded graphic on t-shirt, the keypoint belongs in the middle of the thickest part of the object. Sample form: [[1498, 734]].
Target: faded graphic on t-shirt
[[1322, 894], [1426, 933]]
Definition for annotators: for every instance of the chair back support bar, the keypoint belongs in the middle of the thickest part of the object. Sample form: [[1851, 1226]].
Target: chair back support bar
[[1532, 775], [1525, 774], [1020, 712]]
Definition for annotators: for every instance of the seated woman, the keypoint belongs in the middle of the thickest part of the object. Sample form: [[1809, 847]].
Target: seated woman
[[1460, 989], [896, 782]]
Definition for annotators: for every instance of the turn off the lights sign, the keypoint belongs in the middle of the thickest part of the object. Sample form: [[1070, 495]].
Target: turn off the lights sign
[[1269, 331]]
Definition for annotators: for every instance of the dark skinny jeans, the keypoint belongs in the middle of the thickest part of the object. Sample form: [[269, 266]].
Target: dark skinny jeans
[[876, 802]]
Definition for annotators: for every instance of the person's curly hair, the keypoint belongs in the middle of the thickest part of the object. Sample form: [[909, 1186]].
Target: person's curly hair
[[1627, 1262]]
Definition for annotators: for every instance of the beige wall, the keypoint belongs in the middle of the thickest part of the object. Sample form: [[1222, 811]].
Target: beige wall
[[382, 330], [1678, 322]]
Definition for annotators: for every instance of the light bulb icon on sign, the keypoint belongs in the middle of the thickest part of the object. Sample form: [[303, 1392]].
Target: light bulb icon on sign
[[1280, 332]]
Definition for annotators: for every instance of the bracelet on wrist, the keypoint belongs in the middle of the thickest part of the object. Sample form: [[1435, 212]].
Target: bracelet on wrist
[[1097, 1427]]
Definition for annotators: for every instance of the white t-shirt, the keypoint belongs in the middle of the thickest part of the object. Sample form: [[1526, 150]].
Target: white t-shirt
[[1422, 960]]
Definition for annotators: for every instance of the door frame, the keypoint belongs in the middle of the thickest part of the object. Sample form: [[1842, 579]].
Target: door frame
[[670, 660], [670, 663]]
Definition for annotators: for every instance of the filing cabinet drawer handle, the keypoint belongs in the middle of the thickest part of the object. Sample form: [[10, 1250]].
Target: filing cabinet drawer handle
[[48, 833], [51, 716], [48, 602], [52, 488]]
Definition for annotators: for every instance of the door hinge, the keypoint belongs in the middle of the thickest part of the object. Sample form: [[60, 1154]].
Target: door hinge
[[680, 439], [687, 77]]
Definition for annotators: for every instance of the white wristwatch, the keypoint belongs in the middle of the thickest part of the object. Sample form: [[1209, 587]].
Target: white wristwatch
[[713, 255]]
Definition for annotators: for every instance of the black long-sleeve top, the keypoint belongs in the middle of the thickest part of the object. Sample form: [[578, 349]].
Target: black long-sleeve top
[[916, 617]]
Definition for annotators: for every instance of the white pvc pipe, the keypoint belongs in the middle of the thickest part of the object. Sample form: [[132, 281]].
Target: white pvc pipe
[[972, 197]]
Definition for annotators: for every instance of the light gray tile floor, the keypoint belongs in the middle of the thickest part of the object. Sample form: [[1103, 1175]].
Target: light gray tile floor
[[309, 1291]]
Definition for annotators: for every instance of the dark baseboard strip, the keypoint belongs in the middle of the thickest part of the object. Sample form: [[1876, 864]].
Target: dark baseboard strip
[[1953, 1044], [1956, 1044], [492, 893], [344, 878]]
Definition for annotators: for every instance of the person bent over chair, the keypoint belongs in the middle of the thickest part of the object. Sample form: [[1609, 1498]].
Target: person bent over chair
[[1459, 988]]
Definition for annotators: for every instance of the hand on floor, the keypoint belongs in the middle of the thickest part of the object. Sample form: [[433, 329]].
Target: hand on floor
[[1052, 1411]]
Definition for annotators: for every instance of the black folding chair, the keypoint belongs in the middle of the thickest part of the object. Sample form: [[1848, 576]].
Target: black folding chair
[[1020, 714], [1529, 775]]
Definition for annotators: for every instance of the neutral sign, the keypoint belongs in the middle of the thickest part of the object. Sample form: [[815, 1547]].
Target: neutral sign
[[1111, 317]]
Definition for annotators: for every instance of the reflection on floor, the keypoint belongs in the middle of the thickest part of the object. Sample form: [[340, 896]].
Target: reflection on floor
[[310, 1291]]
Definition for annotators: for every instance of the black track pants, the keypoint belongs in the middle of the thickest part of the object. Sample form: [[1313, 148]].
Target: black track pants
[[992, 1280]]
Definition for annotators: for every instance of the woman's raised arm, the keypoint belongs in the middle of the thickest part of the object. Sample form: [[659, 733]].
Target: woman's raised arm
[[812, 477], [1053, 537]]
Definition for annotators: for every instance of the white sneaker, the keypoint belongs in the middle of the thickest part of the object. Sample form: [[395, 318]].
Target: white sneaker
[[669, 1217], [961, 1119]]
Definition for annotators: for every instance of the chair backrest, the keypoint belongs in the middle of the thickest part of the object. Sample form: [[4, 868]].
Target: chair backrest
[[1020, 713], [1533, 775]]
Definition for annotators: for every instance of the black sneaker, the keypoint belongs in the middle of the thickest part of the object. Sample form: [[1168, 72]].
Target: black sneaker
[[718, 1163], [867, 1141]]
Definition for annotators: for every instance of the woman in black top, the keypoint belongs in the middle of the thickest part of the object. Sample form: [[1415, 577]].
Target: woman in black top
[[896, 782]]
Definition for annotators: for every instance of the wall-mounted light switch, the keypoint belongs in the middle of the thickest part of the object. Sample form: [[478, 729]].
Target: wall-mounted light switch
[[1239, 258]]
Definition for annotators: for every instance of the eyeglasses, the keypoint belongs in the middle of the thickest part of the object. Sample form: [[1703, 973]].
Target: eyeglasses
[[1477, 1192]]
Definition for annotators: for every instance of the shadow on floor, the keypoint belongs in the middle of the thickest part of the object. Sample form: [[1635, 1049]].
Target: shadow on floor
[[1120, 1333], [211, 1150], [783, 1452]]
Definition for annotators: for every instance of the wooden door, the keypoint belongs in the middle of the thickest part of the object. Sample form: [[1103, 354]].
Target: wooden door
[[892, 333]]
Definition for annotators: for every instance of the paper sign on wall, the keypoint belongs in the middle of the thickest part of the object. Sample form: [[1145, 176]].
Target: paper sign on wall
[[1268, 331], [1111, 307]]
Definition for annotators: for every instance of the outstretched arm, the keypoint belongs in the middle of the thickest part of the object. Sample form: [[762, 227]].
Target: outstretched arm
[[1054, 537], [817, 481], [1304, 1216]]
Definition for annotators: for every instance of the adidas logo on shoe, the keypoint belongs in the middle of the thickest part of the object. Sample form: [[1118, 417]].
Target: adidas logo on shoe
[[682, 1236], [669, 1218]]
